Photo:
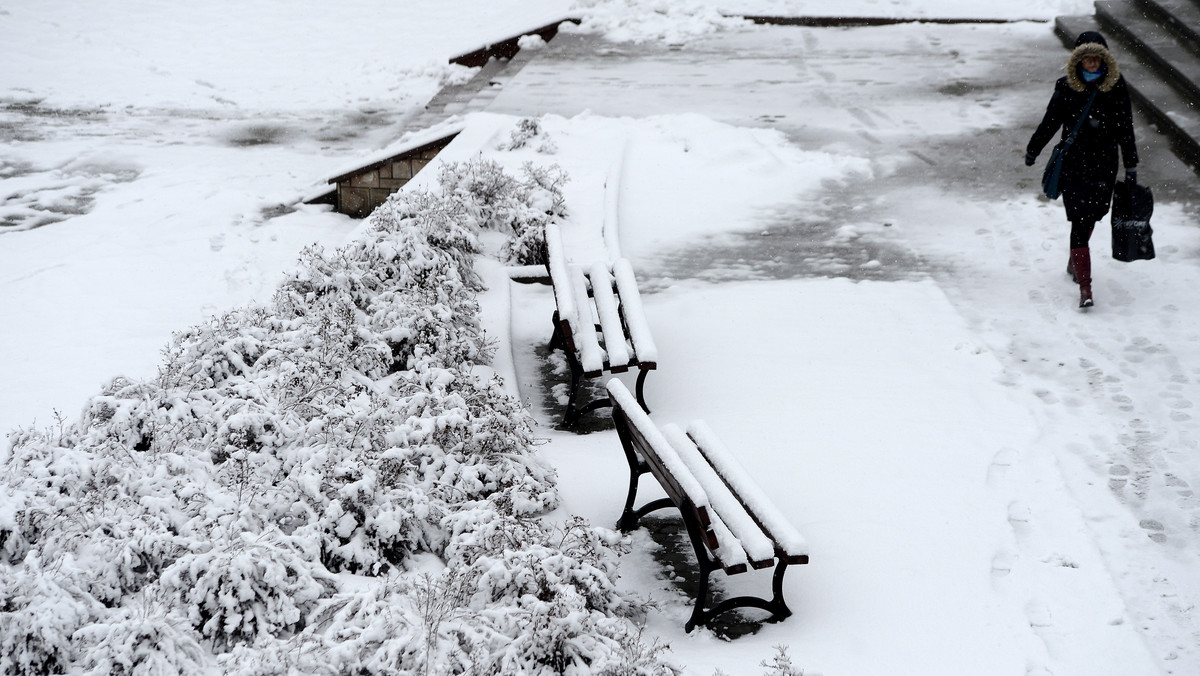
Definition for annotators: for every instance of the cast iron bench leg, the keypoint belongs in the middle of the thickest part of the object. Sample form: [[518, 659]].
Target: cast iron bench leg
[[699, 616], [571, 414], [556, 338], [778, 604], [641, 382]]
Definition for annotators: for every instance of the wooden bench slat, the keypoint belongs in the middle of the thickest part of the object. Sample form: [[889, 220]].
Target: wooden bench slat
[[749, 535], [730, 537], [728, 551], [635, 317], [610, 318], [759, 507], [673, 487], [654, 439], [528, 274], [560, 279], [591, 355], [599, 324]]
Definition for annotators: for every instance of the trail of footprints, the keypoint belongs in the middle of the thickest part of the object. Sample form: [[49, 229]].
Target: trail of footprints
[[1141, 470], [1149, 395], [1006, 563]]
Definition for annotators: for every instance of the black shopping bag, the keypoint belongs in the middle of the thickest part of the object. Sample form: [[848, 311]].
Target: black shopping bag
[[1131, 232]]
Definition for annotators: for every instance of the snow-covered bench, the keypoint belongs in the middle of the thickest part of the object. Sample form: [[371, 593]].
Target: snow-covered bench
[[732, 524], [598, 322]]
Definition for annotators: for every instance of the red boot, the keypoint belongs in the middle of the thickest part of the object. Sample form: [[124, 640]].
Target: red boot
[[1081, 263]]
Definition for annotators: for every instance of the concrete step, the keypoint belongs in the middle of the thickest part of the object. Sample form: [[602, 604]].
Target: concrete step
[[1173, 111], [1181, 17], [1153, 44]]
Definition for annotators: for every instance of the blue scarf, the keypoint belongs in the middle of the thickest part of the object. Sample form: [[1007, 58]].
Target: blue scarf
[[1092, 77]]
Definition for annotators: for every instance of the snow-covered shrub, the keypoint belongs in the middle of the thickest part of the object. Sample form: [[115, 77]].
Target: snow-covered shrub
[[551, 591], [352, 517], [376, 496], [526, 130], [121, 557], [508, 601], [636, 657], [421, 324], [20, 522], [543, 189], [524, 559], [482, 187], [519, 206], [99, 503], [137, 642], [344, 428], [39, 616], [209, 354], [246, 586], [543, 192], [407, 625], [780, 664]]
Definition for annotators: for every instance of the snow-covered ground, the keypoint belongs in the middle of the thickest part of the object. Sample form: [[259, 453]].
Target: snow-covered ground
[[848, 272]]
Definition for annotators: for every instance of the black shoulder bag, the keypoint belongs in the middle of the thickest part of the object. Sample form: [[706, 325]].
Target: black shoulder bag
[[1053, 169]]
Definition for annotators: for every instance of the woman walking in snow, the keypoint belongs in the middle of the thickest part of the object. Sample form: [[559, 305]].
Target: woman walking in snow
[[1089, 170]]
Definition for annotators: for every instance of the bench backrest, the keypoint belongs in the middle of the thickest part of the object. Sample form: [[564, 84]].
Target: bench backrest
[[742, 528], [560, 281], [643, 442], [604, 297]]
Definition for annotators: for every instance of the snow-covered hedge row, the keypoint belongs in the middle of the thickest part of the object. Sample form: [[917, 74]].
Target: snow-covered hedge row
[[263, 505]]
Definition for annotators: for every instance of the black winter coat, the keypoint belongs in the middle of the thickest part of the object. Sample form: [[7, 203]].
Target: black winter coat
[[1090, 166]]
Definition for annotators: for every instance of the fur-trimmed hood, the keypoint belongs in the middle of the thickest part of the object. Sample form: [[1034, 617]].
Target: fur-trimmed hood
[[1112, 72]]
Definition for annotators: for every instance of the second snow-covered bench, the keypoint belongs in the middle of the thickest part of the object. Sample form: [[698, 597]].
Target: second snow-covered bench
[[733, 526], [598, 322]]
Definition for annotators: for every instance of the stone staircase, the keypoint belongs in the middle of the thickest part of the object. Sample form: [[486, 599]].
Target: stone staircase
[[1157, 43]]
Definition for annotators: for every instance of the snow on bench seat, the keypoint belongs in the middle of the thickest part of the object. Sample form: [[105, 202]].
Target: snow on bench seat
[[665, 453], [758, 506], [556, 263], [750, 544], [730, 530], [635, 317], [598, 321], [591, 355], [610, 318]]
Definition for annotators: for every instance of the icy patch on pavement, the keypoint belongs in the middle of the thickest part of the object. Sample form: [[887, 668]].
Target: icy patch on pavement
[[32, 197]]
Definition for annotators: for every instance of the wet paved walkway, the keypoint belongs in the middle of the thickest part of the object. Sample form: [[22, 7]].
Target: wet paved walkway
[[943, 113], [879, 92]]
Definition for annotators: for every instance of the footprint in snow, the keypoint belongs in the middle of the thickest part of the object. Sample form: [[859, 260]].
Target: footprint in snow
[[1004, 459], [1118, 477], [1123, 402], [1047, 396], [1018, 518], [1039, 615], [1002, 565], [1155, 529]]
